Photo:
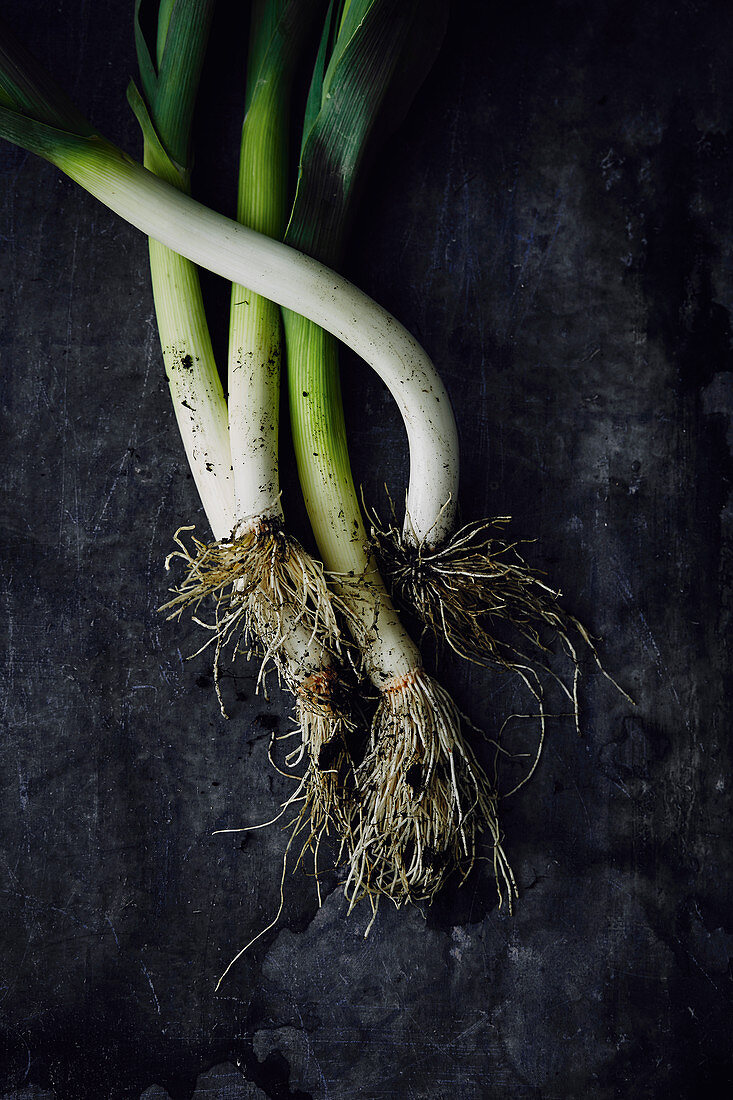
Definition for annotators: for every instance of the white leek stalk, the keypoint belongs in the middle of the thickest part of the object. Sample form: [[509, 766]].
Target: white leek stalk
[[254, 321], [422, 798], [165, 111], [261, 587], [282, 590]]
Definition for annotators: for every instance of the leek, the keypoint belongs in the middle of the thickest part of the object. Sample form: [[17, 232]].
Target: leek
[[422, 797], [269, 593], [164, 110], [288, 597]]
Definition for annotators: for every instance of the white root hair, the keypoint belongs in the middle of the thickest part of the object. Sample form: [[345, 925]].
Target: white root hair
[[423, 800], [270, 596]]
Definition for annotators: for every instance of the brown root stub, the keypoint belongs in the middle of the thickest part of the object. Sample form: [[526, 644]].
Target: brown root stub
[[423, 800], [325, 791], [325, 725], [269, 595]]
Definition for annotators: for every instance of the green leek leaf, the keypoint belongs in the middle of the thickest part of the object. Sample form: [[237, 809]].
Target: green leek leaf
[[170, 91], [281, 30], [147, 67], [57, 146], [382, 53], [325, 51], [26, 88], [157, 157], [165, 12]]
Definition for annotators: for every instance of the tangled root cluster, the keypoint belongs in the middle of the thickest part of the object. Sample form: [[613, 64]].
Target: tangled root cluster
[[416, 808], [269, 595], [423, 800], [413, 811], [475, 592]]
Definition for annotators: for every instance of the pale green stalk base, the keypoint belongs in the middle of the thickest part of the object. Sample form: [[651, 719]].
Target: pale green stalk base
[[319, 436], [254, 321], [254, 395]]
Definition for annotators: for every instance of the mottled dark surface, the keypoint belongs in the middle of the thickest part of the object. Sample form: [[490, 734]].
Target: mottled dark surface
[[554, 221]]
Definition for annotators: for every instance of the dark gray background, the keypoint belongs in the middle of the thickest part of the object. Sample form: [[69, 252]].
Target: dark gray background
[[554, 222]]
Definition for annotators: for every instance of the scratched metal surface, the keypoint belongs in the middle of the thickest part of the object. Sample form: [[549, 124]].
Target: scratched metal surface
[[554, 222]]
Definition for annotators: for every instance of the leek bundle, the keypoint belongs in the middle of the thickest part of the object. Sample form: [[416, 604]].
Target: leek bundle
[[413, 810]]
